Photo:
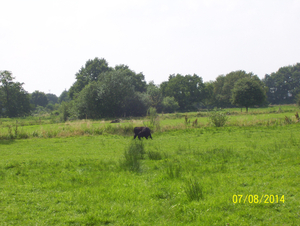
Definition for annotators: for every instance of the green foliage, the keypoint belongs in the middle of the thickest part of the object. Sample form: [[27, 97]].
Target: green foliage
[[39, 111], [14, 100], [298, 99], [218, 118], [113, 91], [155, 96], [89, 73], [39, 98], [248, 92], [52, 98], [63, 97], [50, 107], [283, 85], [87, 102], [137, 104], [137, 80], [116, 91], [208, 93], [114, 94], [169, 105], [153, 116], [187, 90], [65, 111], [223, 87]]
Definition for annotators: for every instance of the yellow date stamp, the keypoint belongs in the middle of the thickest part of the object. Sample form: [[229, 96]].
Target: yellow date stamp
[[256, 199]]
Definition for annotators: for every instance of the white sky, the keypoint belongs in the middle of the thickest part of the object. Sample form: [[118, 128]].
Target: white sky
[[44, 43]]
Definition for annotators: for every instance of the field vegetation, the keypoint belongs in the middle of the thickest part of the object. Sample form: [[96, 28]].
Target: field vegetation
[[193, 172]]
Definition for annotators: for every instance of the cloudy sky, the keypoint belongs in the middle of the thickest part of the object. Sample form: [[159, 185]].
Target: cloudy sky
[[44, 43]]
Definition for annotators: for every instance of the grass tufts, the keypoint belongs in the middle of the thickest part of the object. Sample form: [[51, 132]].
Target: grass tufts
[[132, 156], [193, 190], [154, 155], [173, 170]]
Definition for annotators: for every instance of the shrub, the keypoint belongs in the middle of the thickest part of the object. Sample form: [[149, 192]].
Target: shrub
[[64, 108], [218, 118], [169, 105], [154, 119], [152, 114]]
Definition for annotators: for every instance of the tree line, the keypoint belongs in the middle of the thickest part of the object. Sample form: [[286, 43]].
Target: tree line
[[101, 91]]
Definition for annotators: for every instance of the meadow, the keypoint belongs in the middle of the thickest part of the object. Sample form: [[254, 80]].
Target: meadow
[[93, 172]]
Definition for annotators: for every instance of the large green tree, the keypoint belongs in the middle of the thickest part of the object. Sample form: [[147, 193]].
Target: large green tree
[[137, 80], [88, 103], [248, 92], [63, 97], [283, 85], [155, 96], [95, 70], [137, 104], [52, 98], [39, 98], [112, 96], [187, 90], [208, 94], [113, 90], [14, 100], [89, 73], [223, 87]]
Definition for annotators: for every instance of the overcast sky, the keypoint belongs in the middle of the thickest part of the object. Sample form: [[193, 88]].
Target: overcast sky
[[44, 43]]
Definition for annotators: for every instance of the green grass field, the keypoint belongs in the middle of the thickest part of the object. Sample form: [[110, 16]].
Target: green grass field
[[94, 173]]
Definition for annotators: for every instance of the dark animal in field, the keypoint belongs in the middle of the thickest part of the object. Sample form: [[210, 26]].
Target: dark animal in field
[[115, 121], [142, 132]]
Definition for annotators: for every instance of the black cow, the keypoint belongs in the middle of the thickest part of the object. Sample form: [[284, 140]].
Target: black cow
[[142, 132]]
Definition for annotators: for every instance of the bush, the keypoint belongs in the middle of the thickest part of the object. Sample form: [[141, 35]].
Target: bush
[[218, 118], [169, 105], [65, 111], [154, 119], [152, 114]]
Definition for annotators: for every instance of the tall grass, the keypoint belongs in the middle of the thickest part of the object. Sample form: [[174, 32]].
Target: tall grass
[[173, 170], [154, 155], [132, 156], [68, 129], [31, 127], [193, 190]]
